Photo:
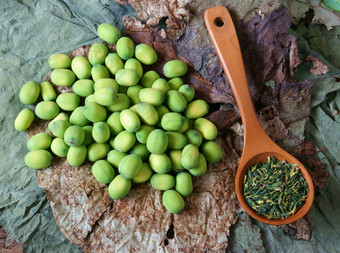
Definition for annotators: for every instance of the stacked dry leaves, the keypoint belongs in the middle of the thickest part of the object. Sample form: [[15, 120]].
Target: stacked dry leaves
[[90, 219]]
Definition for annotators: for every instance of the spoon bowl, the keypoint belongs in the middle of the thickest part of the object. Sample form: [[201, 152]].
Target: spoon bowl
[[257, 145]]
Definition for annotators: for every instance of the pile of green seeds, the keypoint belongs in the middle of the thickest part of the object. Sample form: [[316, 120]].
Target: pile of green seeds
[[134, 126], [275, 189]]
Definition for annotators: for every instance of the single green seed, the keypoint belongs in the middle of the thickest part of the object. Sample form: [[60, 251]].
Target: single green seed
[[127, 77], [100, 132], [97, 151], [160, 163], [129, 120], [184, 184], [74, 136], [60, 116], [24, 120], [175, 83], [68, 101], [77, 117], [46, 110], [157, 141], [162, 182], [194, 137], [81, 67], [145, 54], [122, 102], [172, 121], [59, 147], [59, 61], [190, 156], [119, 187], [161, 84], [99, 71], [47, 91], [59, 127], [38, 159], [197, 109], [173, 201], [88, 135], [211, 151], [143, 133], [143, 175], [114, 157], [103, 171], [108, 33], [29, 93], [175, 68], [149, 78], [62, 77], [76, 155], [152, 96], [201, 169], [130, 166], [39, 141], [83, 87], [176, 140], [147, 113], [187, 91], [106, 82], [97, 53], [124, 141], [206, 128], [105, 96], [125, 48], [94, 112], [113, 63], [175, 101], [134, 64]]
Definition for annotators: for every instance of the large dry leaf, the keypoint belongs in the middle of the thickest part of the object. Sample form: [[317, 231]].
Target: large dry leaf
[[89, 218]]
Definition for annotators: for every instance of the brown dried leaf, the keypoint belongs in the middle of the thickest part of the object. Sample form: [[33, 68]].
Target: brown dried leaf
[[91, 219], [272, 124], [174, 12], [294, 59], [7, 245], [300, 229], [315, 166], [319, 68]]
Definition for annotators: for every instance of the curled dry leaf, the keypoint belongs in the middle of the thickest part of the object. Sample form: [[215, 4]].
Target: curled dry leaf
[[300, 229], [294, 59], [173, 14], [319, 68], [272, 124]]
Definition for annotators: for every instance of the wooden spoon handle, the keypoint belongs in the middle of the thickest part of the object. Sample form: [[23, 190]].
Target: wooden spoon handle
[[223, 35]]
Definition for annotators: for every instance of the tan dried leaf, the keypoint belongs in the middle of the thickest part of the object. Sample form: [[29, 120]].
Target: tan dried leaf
[[319, 68], [174, 12]]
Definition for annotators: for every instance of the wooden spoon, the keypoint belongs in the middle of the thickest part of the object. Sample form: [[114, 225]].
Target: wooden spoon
[[257, 144]]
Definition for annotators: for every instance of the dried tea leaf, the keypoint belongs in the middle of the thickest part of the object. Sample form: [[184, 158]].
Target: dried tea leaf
[[319, 67]]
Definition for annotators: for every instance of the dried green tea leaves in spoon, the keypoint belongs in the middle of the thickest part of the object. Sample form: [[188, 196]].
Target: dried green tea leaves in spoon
[[275, 189]]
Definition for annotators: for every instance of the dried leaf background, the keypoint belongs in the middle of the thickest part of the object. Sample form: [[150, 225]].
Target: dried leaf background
[[94, 220], [90, 219]]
